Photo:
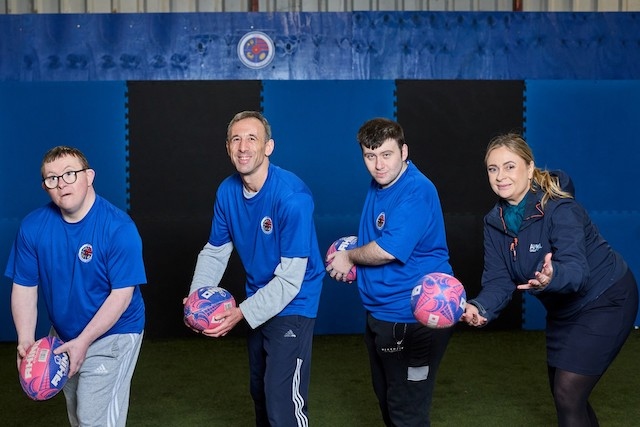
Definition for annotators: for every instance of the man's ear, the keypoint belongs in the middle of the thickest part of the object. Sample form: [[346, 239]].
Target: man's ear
[[269, 147], [91, 175]]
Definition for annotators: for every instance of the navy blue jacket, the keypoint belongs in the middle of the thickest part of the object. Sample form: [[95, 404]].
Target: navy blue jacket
[[584, 265]]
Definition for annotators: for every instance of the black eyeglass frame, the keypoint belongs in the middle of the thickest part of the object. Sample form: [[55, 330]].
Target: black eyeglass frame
[[64, 177]]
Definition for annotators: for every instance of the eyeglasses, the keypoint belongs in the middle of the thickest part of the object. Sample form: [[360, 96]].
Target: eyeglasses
[[69, 177]]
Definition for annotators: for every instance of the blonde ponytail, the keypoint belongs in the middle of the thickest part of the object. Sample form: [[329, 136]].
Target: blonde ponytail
[[549, 185]]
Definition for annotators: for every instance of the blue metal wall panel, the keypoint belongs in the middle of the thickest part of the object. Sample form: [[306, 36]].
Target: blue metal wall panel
[[322, 46]]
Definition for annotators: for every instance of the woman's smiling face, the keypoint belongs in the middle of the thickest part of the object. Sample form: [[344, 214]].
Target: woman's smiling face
[[509, 174]]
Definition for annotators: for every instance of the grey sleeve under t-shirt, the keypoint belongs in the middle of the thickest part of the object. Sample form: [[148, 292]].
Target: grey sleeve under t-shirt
[[269, 300]]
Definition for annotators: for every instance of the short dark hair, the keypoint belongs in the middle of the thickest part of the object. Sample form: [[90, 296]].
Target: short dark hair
[[373, 133]]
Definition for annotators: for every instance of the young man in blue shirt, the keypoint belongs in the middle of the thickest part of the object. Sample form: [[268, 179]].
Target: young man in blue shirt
[[400, 239], [85, 255]]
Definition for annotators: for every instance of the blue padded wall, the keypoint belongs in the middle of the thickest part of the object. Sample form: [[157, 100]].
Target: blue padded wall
[[37, 116], [590, 129], [314, 125], [340, 51]]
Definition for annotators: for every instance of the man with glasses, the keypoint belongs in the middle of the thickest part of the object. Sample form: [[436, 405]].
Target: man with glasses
[[86, 256], [266, 213]]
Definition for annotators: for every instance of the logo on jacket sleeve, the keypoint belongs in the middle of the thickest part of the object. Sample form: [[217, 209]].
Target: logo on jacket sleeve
[[85, 254], [380, 220], [267, 225]]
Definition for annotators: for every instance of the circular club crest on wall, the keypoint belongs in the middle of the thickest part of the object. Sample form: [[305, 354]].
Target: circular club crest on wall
[[256, 49]]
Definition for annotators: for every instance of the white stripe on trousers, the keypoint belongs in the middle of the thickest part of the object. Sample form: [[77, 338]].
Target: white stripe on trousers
[[298, 400]]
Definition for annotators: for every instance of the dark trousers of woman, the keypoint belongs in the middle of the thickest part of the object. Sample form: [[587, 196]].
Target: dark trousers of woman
[[584, 346]]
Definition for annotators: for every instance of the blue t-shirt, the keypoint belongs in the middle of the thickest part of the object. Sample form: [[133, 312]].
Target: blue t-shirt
[[76, 265], [276, 222], [405, 220]]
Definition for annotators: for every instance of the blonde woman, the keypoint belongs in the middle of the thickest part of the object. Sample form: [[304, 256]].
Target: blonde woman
[[539, 239]]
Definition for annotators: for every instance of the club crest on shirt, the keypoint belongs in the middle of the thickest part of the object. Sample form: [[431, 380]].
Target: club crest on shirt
[[267, 225], [380, 220], [85, 254]]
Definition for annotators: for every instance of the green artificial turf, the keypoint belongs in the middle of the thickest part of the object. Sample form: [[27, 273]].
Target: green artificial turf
[[487, 378]]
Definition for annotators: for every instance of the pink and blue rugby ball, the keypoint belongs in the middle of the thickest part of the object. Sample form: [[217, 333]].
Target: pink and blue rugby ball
[[205, 304], [438, 300], [42, 373], [345, 243]]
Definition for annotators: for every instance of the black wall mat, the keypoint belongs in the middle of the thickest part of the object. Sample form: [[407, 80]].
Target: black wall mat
[[178, 158], [448, 125], [177, 132]]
